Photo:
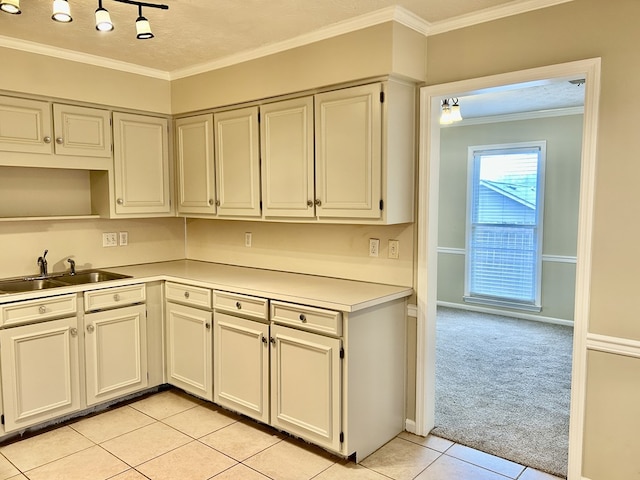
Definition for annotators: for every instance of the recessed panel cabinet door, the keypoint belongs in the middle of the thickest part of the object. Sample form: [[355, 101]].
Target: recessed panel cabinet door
[[25, 125], [305, 385], [40, 378], [189, 359], [237, 150], [348, 129], [241, 359], [286, 142], [82, 131], [196, 171], [116, 352], [141, 164]]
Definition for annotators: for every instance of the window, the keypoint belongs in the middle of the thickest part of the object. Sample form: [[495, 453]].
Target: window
[[504, 225]]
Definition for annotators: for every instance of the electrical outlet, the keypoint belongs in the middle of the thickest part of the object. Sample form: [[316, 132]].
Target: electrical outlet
[[394, 249], [374, 247], [247, 239], [110, 239], [124, 238]]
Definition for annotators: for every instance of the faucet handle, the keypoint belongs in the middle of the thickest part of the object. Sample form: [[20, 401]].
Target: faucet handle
[[72, 266]]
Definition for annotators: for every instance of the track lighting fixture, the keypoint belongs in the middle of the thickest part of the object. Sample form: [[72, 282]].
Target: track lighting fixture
[[103, 19], [450, 111], [10, 6], [62, 13]]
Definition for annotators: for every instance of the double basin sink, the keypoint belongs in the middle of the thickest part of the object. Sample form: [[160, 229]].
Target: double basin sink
[[20, 285]]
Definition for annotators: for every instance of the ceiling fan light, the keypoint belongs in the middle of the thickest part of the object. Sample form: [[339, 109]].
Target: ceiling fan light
[[103, 20], [445, 116], [61, 11], [11, 6], [143, 28], [456, 116]]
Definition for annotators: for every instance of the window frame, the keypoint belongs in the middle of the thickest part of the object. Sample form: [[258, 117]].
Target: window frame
[[506, 148]]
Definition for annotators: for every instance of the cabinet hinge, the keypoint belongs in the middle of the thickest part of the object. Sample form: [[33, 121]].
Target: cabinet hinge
[[381, 204], [258, 117], [341, 352], [341, 437], [381, 97], [2, 419]]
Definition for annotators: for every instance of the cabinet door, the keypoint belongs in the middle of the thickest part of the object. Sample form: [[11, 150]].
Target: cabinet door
[[116, 353], [241, 360], [82, 131], [196, 175], [237, 162], [25, 125], [189, 349], [141, 164], [349, 152], [286, 142], [306, 380], [40, 378]]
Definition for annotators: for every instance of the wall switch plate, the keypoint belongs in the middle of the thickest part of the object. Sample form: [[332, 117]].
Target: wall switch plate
[[394, 249], [374, 247], [247, 239], [110, 239], [124, 238]]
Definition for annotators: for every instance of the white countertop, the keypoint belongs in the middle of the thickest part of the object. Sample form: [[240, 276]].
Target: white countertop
[[323, 292], [311, 290]]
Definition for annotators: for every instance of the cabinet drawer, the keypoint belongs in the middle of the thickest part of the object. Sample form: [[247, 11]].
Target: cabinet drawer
[[187, 294], [318, 320], [39, 309], [114, 297], [234, 303]]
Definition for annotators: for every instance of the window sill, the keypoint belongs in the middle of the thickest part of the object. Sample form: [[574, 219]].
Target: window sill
[[502, 303]]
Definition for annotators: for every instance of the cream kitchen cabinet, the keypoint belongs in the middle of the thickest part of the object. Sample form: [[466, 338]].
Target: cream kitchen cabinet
[[141, 165], [189, 339], [364, 149], [28, 126], [286, 142], [237, 157], [241, 354], [40, 372], [195, 165]]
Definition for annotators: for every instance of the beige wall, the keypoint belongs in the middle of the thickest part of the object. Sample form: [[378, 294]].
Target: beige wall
[[24, 72], [563, 135], [376, 51], [573, 31]]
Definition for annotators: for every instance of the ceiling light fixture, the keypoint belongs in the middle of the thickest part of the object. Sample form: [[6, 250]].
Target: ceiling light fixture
[[61, 11], [103, 19], [450, 111], [10, 6]]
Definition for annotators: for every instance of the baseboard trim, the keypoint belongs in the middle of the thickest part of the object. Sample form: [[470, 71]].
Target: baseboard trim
[[410, 426], [494, 311]]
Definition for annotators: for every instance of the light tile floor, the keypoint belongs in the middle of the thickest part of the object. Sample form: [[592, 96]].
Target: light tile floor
[[173, 436]]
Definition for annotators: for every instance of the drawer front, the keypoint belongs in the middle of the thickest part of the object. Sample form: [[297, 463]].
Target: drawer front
[[114, 297], [39, 309], [319, 320], [189, 295], [253, 307]]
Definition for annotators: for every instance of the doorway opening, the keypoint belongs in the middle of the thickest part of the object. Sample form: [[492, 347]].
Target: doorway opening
[[429, 281]]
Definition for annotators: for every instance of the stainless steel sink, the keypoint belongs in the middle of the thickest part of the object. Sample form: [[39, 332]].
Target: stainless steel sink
[[89, 276], [18, 285]]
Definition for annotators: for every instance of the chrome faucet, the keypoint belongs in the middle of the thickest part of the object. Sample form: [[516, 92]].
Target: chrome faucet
[[42, 262], [72, 266]]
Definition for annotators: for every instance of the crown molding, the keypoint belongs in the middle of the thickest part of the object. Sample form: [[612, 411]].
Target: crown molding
[[394, 13], [494, 13], [512, 117], [95, 60]]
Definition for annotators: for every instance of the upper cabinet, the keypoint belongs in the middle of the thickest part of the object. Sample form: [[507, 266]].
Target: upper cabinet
[[25, 125], [286, 142], [141, 165], [195, 165], [82, 131], [237, 153]]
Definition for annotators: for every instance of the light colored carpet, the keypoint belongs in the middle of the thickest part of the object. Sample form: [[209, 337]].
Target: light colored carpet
[[503, 387]]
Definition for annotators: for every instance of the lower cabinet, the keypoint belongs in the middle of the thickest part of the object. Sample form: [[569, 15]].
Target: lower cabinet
[[241, 359], [115, 353], [306, 383], [189, 339], [40, 375]]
